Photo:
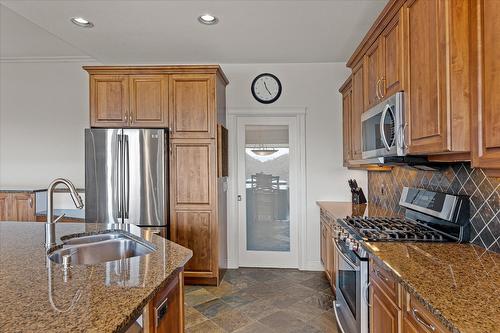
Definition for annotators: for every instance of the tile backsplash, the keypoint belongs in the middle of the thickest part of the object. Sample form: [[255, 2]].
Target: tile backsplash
[[484, 192]]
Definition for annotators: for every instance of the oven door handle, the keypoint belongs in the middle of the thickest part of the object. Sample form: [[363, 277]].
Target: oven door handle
[[382, 128], [347, 260]]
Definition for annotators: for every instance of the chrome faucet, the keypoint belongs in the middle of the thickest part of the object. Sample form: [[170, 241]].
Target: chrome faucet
[[50, 232]]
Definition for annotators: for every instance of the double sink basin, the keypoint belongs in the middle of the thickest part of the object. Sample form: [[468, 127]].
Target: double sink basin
[[99, 248]]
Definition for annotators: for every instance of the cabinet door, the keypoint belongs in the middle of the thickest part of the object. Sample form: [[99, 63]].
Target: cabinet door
[[4, 207], [385, 315], [149, 101], [109, 100], [192, 106], [357, 110], [23, 207], [323, 244], [192, 186], [193, 230], [426, 110], [346, 124], [373, 63], [391, 41], [166, 311], [486, 83]]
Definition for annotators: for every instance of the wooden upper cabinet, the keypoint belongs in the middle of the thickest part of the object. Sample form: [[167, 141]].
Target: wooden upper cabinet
[[346, 91], [149, 101], [437, 87], [384, 64], [357, 109], [373, 65], [485, 52], [109, 100], [192, 106], [391, 41]]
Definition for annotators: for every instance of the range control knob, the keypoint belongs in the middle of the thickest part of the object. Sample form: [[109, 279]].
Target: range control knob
[[353, 245]]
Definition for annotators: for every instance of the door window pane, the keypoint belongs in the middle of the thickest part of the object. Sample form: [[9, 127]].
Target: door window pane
[[267, 167]]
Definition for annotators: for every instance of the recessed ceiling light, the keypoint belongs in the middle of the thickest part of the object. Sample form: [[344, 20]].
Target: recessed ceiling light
[[81, 22], [208, 19]]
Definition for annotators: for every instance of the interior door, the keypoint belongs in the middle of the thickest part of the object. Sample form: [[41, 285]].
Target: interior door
[[267, 178], [144, 177]]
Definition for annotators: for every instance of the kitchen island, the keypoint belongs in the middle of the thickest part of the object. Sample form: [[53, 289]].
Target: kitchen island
[[37, 295]]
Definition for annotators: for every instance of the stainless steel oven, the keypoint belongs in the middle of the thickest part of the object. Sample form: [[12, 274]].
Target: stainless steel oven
[[351, 304], [383, 129]]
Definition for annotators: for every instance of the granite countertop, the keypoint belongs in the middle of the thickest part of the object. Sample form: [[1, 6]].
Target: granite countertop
[[458, 283], [105, 297]]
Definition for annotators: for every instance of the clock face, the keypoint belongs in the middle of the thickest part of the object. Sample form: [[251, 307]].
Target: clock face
[[266, 88]]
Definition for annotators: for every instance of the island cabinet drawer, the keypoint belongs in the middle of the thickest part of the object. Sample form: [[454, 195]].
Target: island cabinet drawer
[[386, 282], [417, 319]]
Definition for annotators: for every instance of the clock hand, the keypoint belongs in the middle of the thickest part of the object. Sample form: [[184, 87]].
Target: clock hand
[[265, 85]]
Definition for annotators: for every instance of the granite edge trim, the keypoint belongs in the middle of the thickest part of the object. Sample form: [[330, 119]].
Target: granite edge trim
[[412, 290]]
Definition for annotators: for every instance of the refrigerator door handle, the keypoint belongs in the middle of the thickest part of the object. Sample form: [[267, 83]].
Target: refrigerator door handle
[[126, 182], [120, 176]]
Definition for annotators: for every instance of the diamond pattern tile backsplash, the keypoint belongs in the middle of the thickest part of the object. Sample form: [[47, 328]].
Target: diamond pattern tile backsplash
[[484, 192]]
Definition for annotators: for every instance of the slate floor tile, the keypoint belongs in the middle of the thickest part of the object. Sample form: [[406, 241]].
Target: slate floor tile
[[205, 327], [282, 321], [198, 296], [212, 308], [193, 317], [231, 320], [255, 327]]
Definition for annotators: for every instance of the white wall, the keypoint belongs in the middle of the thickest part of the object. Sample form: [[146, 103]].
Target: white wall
[[314, 86], [43, 111]]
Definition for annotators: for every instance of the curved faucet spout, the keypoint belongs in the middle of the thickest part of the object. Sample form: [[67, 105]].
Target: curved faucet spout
[[77, 200]]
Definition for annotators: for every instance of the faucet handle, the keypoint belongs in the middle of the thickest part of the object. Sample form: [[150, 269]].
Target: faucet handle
[[59, 217]]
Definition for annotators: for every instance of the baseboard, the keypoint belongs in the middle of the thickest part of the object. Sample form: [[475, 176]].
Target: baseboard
[[313, 265]]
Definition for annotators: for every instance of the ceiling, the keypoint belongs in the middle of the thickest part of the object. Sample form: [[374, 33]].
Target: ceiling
[[273, 31]]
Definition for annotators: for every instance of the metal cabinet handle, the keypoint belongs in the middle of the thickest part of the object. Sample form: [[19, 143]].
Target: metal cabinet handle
[[30, 201], [381, 91], [421, 320], [381, 276]]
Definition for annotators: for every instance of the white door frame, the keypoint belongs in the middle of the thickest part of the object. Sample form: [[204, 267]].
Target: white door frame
[[297, 117]]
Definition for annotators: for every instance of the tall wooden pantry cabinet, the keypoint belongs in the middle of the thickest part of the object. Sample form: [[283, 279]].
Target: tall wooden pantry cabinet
[[190, 101]]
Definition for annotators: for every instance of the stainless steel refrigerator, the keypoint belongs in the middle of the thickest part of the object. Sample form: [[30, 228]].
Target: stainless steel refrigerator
[[126, 176]]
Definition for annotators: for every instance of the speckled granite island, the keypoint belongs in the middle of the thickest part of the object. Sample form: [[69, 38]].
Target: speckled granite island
[[107, 297], [458, 284]]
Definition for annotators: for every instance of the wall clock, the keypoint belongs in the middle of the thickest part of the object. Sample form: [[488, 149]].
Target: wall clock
[[266, 88]]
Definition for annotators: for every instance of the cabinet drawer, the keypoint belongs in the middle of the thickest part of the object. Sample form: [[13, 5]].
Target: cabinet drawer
[[418, 319], [386, 282]]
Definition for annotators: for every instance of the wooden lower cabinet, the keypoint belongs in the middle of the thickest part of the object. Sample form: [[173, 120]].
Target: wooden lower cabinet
[[395, 311], [385, 316], [165, 313], [328, 252], [17, 206]]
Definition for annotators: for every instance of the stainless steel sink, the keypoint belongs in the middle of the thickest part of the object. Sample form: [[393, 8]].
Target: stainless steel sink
[[100, 248], [94, 238]]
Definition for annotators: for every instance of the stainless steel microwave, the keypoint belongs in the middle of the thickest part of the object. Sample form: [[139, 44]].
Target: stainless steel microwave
[[383, 129]]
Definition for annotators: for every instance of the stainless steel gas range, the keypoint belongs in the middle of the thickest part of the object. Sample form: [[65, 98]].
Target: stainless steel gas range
[[429, 217]]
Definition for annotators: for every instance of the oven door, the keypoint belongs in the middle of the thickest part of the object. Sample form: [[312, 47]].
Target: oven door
[[351, 307], [382, 129]]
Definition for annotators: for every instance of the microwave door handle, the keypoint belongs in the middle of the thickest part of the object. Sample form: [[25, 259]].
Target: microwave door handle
[[382, 128]]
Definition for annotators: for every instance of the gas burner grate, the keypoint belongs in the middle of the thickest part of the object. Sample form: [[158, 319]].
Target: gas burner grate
[[392, 229]]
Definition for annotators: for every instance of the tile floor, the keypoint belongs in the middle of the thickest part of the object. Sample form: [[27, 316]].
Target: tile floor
[[262, 300]]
